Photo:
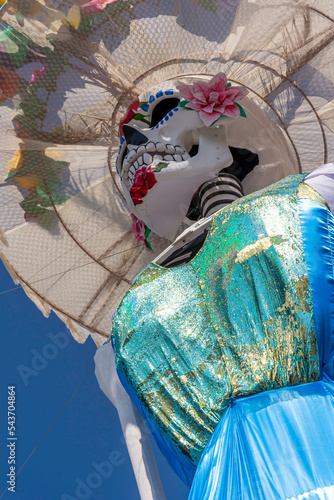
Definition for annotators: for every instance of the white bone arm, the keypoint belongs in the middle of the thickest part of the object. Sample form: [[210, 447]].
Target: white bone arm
[[133, 426]]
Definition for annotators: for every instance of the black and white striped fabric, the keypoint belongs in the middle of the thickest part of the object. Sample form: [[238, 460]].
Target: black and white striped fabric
[[218, 193], [213, 195]]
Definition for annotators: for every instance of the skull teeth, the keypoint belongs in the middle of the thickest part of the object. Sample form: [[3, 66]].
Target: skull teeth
[[145, 154], [147, 159], [178, 158], [169, 149], [132, 154]]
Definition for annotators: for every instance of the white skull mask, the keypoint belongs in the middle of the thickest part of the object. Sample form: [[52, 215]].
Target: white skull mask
[[165, 155]]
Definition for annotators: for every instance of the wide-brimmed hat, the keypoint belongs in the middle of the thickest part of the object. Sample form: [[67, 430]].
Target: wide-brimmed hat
[[68, 76]]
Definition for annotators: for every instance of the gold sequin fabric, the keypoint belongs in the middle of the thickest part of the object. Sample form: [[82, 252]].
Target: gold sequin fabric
[[236, 320]]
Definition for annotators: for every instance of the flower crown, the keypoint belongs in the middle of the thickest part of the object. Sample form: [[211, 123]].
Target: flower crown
[[213, 99]]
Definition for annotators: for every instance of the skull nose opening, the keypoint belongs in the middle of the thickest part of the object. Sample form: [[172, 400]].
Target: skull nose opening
[[133, 136]]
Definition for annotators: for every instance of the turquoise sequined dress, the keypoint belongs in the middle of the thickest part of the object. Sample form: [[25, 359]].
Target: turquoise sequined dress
[[237, 320]]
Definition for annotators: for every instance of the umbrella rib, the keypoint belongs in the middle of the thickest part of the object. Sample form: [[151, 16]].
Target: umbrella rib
[[314, 9], [92, 300], [306, 98], [135, 55], [76, 266], [112, 174], [104, 284], [106, 301], [101, 309], [112, 306], [105, 255], [311, 73], [62, 273], [283, 27], [55, 307], [81, 246], [279, 118]]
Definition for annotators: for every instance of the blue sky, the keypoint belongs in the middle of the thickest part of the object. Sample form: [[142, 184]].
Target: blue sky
[[85, 442]]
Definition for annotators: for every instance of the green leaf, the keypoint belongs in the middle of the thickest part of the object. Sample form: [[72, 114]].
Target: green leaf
[[10, 175], [143, 103], [54, 166], [149, 246], [31, 163], [229, 84], [242, 111], [27, 123], [211, 5], [141, 118], [16, 45], [44, 192], [114, 7], [160, 166], [59, 199], [55, 66], [85, 26], [147, 233], [32, 206], [222, 117], [34, 107], [55, 57], [183, 103]]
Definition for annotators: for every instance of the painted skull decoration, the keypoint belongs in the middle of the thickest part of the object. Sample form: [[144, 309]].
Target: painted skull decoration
[[172, 140]]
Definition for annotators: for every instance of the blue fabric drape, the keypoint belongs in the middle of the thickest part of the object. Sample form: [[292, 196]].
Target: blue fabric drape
[[181, 466], [277, 445], [280, 444], [317, 225]]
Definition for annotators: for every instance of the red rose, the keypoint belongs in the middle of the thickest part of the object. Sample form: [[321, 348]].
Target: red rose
[[143, 181], [131, 112]]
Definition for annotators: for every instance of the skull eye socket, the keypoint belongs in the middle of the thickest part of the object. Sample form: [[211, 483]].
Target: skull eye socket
[[193, 151], [162, 109]]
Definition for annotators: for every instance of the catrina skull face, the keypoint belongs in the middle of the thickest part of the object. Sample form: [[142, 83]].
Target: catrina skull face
[[167, 151]]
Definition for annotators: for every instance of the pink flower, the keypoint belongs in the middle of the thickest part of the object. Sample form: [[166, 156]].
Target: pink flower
[[141, 232], [213, 99], [131, 112], [138, 227], [95, 6], [144, 180], [37, 76]]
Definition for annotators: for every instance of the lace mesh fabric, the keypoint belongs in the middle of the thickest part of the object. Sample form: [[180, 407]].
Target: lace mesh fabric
[[67, 79]]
